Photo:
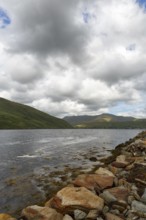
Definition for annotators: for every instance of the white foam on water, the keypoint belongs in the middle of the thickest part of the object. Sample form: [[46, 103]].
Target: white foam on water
[[27, 156]]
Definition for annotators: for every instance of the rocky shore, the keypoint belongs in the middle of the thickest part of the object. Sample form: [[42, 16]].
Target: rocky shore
[[114, 191]]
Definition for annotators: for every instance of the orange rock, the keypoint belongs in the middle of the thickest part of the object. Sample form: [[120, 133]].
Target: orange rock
[[4, 216], [94, 181], [39, 213], [104, 171], [71, 198], [120, 193]]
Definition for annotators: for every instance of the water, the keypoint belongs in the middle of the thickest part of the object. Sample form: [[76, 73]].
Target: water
[[34, 162]]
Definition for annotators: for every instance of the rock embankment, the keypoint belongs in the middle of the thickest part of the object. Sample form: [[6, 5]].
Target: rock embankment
[[115, 191]]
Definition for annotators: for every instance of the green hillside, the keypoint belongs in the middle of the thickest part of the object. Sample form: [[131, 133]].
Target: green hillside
[[18, 116], [106, 121]]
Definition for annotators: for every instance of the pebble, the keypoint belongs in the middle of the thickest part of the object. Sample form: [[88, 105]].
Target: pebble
[[79, 215], [93, 214]]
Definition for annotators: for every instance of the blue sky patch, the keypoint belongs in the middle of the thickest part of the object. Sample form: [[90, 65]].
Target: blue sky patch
[[4, 18], [131, 47], [86, 17], [142, 3]]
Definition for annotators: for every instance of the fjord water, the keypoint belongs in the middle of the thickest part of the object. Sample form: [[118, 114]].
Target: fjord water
[[29, 156]]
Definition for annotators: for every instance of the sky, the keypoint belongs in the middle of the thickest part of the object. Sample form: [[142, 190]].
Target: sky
[[75, 57]]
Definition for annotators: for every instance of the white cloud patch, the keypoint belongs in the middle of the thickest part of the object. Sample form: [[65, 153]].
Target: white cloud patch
[[74, 57]]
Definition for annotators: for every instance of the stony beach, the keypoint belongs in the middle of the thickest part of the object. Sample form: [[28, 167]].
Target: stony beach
[[115, 190]]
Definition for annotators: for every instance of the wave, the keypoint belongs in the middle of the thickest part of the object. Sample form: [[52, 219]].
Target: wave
[[27, 156]]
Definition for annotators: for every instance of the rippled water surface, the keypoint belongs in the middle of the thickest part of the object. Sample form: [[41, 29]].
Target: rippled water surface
[[33, 161]]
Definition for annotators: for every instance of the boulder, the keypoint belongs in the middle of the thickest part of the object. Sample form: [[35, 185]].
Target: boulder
[[110, 216], [104, 171], [94, 181], [38, 213], [70, 198], [4, 216]]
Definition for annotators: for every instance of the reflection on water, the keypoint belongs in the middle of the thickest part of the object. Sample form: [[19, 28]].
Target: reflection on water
[[29, 159]]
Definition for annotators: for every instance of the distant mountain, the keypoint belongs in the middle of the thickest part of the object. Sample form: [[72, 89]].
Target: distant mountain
[[18, 116], [105, 121]]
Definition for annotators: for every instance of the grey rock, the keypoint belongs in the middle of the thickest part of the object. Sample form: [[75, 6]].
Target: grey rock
[[115, 211], [105, 209], [79, 215], [138, 206], [108, 197], [143, 198]]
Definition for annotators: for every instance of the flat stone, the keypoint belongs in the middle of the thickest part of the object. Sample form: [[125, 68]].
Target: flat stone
[[110, 216], [138, 206], [79, 215], [104, 171], [71, 198], [94, 181], [120, 193], [38, 213], [4, 216]]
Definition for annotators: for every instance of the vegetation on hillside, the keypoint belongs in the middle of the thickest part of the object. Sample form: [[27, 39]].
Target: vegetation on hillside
[[108, 121], [18, 116]]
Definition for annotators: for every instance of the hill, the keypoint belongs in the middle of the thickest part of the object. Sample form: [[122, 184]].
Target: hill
[[105, 121], [18, 116]]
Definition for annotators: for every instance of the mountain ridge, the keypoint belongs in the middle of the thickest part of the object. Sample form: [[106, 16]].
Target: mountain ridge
[[105, 120], [15, 115]]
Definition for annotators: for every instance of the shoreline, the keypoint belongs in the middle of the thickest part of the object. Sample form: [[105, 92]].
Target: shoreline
[[114, 190]]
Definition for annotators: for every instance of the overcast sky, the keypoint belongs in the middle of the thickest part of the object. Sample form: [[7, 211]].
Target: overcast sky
[[74, 57]]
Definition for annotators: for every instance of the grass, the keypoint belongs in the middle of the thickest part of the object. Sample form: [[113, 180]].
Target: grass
[[18, 116]]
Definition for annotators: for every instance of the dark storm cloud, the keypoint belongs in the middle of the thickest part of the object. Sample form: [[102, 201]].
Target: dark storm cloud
[[49, 28]]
